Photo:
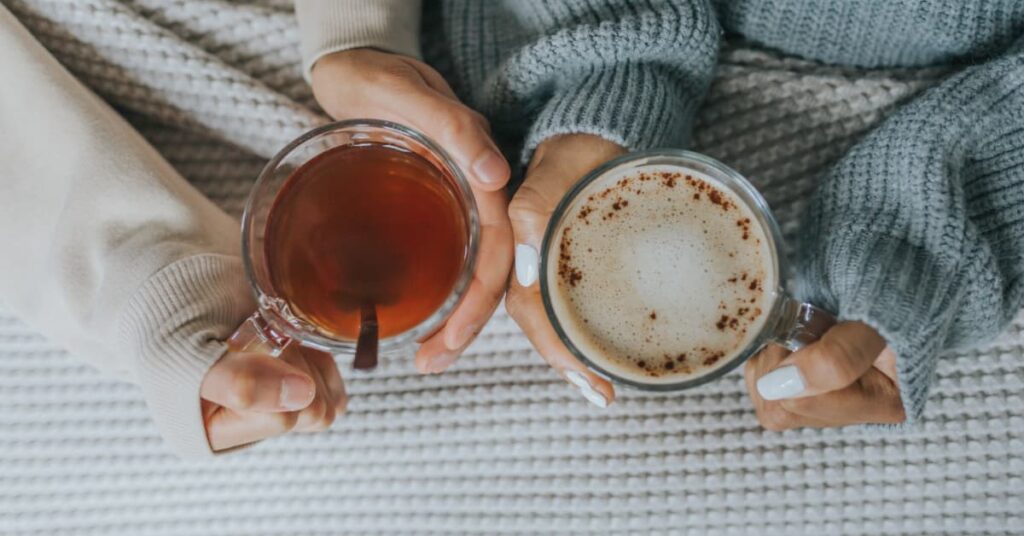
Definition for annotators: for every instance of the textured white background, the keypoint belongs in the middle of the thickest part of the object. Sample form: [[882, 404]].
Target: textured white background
[[499, 444]]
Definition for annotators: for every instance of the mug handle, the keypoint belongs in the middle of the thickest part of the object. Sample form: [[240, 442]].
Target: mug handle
[[801, 324], [256, 335]]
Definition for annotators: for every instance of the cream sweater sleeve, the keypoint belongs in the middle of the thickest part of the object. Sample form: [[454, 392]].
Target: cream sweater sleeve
[[328, 26], [106, 249]]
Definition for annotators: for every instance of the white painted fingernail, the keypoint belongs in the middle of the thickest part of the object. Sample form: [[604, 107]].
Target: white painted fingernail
[[781, 383], [527, 265], [587, 390]]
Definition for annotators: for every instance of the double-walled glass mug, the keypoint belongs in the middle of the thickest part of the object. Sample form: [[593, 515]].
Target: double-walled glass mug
[[278, 320], [788, 322]]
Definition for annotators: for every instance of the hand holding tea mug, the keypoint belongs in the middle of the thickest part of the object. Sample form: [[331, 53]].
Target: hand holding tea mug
[[367, 83], [556, 165], [248, 396], [847, 377]]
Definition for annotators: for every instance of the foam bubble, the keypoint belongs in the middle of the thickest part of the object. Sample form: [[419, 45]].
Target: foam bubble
[[661, 274]]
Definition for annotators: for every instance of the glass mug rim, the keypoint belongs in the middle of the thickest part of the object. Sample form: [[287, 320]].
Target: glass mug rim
[[283, 327], [783, 305]]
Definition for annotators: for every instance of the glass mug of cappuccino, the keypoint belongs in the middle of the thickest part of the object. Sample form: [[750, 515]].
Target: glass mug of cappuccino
[[662, 270], [356, 220]]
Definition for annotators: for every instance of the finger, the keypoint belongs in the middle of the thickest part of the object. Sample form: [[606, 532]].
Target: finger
[[439, 84], [322, 412], [556, 166], [529, 213], [764, 360], [434, 356], [322, 407], [434, 79], [886, 364], [457, 128], [874, 398], [525, 307], [437, 352], [774, 417], [440, 350], [771, 415], [755, 367], [227, 428], [491, 275], [331, 376], [257, 383], [835, 361], [533, 204]]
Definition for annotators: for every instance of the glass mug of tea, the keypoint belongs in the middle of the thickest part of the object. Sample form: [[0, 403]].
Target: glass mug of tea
[[661, 270], [359, 236]]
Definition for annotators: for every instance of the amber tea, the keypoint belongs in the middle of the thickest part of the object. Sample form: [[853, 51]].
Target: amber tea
[[366, 226]]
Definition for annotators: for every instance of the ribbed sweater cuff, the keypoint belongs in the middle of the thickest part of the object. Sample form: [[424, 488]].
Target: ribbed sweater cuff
[[328, 26], [635, 105], [174, 325], [900, 290]]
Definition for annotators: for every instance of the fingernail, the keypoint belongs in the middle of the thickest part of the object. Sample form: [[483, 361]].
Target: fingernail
[[296, 392], [463, 336], [491, 168], [592, 395], [342, 405], [442, 362], [784, 382], [527, 265]]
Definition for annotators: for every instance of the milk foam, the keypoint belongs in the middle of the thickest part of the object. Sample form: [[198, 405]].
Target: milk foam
[[661, 274]]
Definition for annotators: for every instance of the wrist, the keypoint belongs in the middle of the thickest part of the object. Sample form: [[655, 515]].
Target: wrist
[[574, 152], [174, 326]]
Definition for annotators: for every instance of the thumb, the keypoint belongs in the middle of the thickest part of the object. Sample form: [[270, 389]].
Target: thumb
[[529, 213], [463, 132], [557, 164], [257, 382], [837, 360]]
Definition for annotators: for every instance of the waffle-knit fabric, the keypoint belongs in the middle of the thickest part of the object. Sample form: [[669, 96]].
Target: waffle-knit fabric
[[499, 444]]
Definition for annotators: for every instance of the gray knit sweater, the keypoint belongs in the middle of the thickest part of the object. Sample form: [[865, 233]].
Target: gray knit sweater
[[918, 231]]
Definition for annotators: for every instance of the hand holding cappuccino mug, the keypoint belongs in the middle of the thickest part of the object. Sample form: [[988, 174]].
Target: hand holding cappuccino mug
[[557, 164], [847, 377], [661, 271]]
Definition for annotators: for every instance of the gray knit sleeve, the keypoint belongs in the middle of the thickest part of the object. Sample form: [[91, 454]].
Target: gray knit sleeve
[[919, 230], [633, 72], [881, 33]]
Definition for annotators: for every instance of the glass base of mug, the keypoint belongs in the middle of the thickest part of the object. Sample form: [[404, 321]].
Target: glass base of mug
[[257, 336]]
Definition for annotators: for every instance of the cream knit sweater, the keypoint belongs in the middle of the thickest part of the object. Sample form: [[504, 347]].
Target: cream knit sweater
[[107, 249]]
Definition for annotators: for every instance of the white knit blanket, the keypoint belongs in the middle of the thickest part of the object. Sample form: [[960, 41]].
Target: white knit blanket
[[499, 444]]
